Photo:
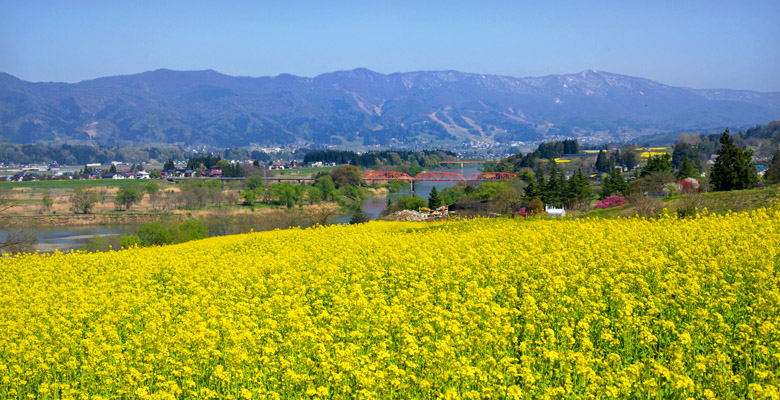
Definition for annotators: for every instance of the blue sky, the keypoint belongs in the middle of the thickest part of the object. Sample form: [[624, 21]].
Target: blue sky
[[699, 44]]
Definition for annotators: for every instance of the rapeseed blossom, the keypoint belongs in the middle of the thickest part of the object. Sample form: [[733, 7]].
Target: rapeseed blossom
[[499, 308]]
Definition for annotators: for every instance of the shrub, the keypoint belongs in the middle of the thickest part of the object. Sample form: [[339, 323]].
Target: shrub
[[688, 186], [154, 234], [128, 241], [190, 229], [535, 207], [96, 243], [611, 201], [413, 203]]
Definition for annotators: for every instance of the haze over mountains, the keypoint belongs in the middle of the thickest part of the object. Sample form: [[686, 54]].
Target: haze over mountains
[[362, 106]]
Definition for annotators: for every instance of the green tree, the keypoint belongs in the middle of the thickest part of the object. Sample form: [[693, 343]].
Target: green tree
[[772, 174], [315, 194], [629, 159], [602, 162], [661, 163], [327, 187], [685, 150], [127, 241], [84, 200], [352, 192], [168, 166], [346, 175], [155, 174], [532, 191], [254, 182], [249, 197], [555, 187], [154, 234], [434, 200], [254, 187], [359, 217], [222, 165], [733, 169], [127, 196], [613, 184], [413, 203], [151, 187], [688, 170], [284, 193], [112, 169], [191, 229], [579, 189]]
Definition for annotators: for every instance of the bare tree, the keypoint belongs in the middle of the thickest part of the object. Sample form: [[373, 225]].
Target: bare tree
[[19, 242], [321, 214], [6, 203]]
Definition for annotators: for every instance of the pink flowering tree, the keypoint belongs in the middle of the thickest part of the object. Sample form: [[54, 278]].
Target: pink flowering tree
[[611, 201]]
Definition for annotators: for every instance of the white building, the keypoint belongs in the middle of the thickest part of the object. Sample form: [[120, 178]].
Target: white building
[[555, 212]]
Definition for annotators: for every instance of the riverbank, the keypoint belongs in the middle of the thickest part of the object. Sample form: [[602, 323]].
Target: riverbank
[[25, 221]]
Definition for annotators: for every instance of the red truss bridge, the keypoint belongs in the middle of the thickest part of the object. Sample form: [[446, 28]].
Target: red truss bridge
[[436, 176], [387, 176]]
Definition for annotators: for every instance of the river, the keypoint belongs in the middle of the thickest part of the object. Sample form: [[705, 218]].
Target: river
[[73, 237], [373, 206]]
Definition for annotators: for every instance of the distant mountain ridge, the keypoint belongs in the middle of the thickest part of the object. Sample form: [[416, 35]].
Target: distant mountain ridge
[[362, 106]]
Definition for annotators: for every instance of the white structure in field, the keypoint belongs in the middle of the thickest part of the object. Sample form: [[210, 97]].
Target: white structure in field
[[555, 212]]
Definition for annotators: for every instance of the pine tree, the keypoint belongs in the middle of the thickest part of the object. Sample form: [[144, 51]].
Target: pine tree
[[578, 188], [168, 166], [613, 184], [629, 159], [531, 191], [662, 163], [688, 169], [772, 174], [434, 200], [733, 169], [552, 190], [602, 163], [359, 217]]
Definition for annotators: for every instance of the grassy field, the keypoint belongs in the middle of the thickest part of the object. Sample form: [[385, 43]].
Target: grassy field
[[485, 308]]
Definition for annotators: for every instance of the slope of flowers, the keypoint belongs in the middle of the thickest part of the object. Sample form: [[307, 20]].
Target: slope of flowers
[[585, 308]]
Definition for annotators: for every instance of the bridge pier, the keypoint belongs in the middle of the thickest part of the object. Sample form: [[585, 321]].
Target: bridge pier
[[411, 188]]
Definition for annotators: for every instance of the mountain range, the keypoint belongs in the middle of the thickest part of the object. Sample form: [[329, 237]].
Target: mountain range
[[364, 107]]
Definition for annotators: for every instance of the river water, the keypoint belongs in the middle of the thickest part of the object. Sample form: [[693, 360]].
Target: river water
[[373, 206], [71, 237], [74, 237]]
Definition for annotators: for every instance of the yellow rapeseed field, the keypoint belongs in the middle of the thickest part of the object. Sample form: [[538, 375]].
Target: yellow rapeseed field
[[499, 308], [648, 154]]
